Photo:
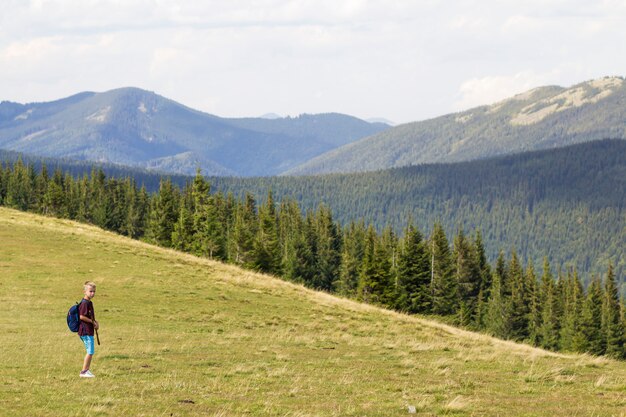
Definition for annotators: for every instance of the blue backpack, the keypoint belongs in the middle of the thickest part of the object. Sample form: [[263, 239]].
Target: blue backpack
[[73, 317]]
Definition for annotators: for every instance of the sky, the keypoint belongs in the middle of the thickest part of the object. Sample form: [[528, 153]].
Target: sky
[[394, 59]]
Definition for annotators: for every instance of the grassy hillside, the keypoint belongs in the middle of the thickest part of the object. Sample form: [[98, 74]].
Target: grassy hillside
[[185, 336]]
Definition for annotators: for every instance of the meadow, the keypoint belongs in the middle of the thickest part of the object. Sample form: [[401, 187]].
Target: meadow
[[185, 336]]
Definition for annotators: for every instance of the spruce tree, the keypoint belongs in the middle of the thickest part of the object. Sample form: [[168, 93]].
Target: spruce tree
[[351, 259], [18, 194], [443, 282], [41, 187], [365, 289], [241, 239], [182, 235], [572, 308], [98, 202], [375, 284], [612, 323], [328, 249], [535, 313], [54, 197], [468, 278], [482, 302], [520, 300], [208, 234], [589, 337], [266, 249], [163, 214], [549, 330], [414, 273], [497, 311]]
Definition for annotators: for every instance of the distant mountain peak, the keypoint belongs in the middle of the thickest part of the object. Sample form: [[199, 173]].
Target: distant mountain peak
[[270, 116]]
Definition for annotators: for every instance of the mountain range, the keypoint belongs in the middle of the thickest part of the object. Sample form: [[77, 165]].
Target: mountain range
[[542, 118], [139, 128]]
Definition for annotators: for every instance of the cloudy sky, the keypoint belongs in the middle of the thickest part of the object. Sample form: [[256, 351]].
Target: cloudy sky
[[398, 59]]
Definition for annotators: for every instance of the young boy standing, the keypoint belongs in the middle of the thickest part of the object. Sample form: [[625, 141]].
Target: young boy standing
[[87, 325]]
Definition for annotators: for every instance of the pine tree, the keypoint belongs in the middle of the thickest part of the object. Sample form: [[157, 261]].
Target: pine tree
[[549, 330], [535, 314], [520, 300], [482, 302], [40, 188], [375, 285], [328, 249], [497, 312], [612, 323], [72, 199], [590, 337], [294, 248], [468, 278], [414, 273], [351, 259], [266, 249], [18, 194], [163, 214], [241, 239], [208, 235], [443, 281], [54, 197], [182, 235], [572, 309], [365, 289]]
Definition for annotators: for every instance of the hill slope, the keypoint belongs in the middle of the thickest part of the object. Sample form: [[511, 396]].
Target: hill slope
[[542, 118], [136, 127], [209, 339]]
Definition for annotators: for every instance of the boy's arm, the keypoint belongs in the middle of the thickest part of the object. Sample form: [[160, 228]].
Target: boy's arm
[[88, 320]]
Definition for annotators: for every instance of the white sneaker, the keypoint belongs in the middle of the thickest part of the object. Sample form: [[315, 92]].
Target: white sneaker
[[87, 374]]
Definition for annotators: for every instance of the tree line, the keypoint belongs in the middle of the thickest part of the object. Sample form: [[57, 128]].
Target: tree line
[[408, 272]]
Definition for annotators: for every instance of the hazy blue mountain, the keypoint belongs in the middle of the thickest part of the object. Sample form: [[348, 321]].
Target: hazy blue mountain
[[140, 128], [543, 118]]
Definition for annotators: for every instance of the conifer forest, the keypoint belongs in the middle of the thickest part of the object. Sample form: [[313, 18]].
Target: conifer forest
[[436, 274]]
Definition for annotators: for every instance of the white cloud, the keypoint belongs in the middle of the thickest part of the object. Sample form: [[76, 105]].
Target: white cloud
[[400, 59], [488, 90]]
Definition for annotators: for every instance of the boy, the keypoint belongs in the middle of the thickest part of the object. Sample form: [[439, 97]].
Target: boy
[[87, 325]]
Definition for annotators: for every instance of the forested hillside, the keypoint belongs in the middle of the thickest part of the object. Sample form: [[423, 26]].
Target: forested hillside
[[543, 118], [568, 204]]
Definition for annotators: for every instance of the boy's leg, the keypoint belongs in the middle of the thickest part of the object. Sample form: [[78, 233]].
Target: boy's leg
[[87, 362], [89, 347]]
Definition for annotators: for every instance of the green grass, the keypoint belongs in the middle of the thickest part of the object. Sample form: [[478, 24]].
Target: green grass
[[183, 336]]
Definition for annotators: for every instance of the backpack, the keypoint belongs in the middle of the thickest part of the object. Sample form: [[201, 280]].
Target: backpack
[[73, 317]]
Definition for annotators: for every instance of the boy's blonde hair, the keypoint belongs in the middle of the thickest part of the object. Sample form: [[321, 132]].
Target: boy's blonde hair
[[89, 284]]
